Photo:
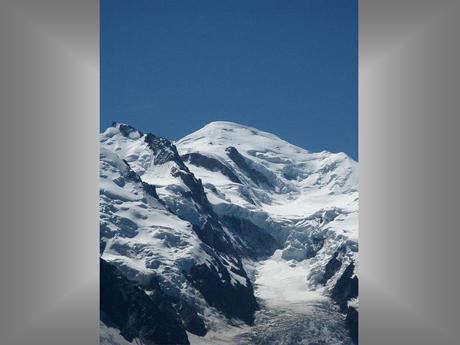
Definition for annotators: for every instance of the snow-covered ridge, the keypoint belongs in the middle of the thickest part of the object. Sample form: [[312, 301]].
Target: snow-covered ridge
[[296, 175], [223, 209], [274, 178]]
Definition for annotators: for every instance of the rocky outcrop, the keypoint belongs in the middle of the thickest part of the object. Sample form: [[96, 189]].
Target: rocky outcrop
[[163, 150], [254, 242], [210, 164], [234, 299], [346, 287], [352, 323], [345, 290], [256, 176], [332, 267], [191, 320], [151, 319]]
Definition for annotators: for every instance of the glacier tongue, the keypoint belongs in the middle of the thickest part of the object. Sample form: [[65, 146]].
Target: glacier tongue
[[237, 224]]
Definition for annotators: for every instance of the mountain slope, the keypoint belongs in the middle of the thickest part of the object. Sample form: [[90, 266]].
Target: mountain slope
[[167, 232], [225, 209], [148, 318], [307, 201]]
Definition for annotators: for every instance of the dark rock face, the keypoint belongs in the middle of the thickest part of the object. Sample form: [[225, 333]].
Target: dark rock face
[[352, 323], [210, 230], [210, 164], [196, 188], [345, 289], [190, 318], [125, 130], [151, 319], [150, 190], [102, 245], [254, 241], [316, 242], [234, 301], [256, 176], [192, 321], [332, 268], [131, 175], [211, 235], [164, 150]]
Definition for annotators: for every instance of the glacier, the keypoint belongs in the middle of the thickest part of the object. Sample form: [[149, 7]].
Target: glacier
[[241, 236]]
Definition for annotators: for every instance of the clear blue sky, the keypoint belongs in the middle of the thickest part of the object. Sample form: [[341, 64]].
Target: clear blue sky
[[286, 67]]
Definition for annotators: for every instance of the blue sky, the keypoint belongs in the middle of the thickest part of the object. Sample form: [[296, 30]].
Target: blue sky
[[286, 67]]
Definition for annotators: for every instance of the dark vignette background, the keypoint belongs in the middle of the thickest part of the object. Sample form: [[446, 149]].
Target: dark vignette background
[[409, 123]]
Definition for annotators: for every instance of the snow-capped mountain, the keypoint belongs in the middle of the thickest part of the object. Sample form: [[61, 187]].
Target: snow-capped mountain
[[229, 227]]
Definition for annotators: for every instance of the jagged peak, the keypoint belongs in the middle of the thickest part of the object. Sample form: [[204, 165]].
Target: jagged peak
[[224, 133], [125, 130]]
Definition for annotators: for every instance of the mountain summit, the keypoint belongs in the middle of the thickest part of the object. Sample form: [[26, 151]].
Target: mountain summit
[[228, 229]]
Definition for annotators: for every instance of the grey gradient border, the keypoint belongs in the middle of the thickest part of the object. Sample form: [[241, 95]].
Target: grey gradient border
[[409, 167], [49, 100], [409, 123]]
